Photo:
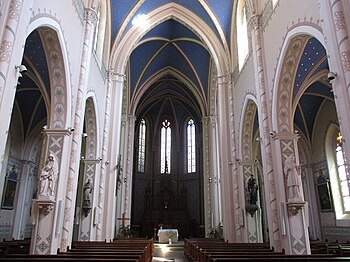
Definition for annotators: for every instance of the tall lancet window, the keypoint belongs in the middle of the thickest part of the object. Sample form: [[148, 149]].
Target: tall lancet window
[[343, 174], [165, 147], [142, 146], [242, 33], [191, 146]]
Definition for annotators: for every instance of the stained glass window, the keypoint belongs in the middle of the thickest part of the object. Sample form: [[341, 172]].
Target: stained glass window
[[191, 147], [165, 147], [343, 173], [242, 34], [142, 146]]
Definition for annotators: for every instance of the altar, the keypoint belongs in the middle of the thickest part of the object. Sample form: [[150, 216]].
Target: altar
[[165, 234]]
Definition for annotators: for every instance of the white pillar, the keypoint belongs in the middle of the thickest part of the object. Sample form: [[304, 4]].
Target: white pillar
[[111, 141], [14, 33], [336, 32], [90, 18], [264, 123], [48, 215], [225, 176]]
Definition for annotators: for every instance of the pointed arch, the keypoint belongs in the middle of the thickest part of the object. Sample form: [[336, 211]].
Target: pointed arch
[[293, 46], [122, 50], [57, 61], [137, 96]]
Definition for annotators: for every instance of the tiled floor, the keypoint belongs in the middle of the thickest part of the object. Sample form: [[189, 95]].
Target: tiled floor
[[166, 252]]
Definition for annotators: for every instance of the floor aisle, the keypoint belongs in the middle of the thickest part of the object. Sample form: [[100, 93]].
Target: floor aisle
[[169, 253]]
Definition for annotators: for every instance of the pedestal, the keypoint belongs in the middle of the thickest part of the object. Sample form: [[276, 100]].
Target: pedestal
[[294, 205], [45, 204]]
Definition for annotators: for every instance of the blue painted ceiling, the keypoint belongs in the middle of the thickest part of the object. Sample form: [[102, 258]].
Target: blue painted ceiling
[[312, 61], [172, 46]]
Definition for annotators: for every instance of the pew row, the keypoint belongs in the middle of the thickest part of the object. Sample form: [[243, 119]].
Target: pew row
[[207, 250], [132, 250]]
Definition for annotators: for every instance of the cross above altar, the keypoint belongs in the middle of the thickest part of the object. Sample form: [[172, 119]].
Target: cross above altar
[[123, 219]]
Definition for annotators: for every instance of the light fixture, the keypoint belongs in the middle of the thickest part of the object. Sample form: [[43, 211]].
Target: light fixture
[[84, 135], [331, 76], [21, 68], [141, 21]]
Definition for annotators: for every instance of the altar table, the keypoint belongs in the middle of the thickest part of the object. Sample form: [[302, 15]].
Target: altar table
[[165, 234]]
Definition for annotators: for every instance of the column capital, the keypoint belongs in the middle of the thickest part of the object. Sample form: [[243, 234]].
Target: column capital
[[254, 22], [223, 79], [90, 15], [115, 77]]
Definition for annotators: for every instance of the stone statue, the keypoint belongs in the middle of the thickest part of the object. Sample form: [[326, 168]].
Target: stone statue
[[119, 171], [252, 191], [87, 192], [48, 178], [292, 171]]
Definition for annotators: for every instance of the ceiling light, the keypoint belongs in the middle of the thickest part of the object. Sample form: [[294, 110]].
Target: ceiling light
[[141, 21]]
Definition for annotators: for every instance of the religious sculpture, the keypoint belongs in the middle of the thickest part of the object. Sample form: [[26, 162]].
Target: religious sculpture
[[119, 172], [251, 195], [292, 171], [48, 178], [252, 191], [87, 197]]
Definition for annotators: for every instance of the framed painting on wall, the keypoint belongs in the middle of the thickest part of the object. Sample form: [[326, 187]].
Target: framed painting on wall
[[324, 197]]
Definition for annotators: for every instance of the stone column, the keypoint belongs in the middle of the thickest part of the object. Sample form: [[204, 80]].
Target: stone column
[[264, 123], [90, 18], [214, 176], [207, 177], [233, 167], [47, 213], [336, 33], [23, 205], [227, 193], [128, 165], [86, 216], [111, 141], [14, 30], [7, 42], [297, 229], [252, 210]]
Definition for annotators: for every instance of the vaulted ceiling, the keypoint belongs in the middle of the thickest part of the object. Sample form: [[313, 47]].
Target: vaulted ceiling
[[171, 64], [171, 60]]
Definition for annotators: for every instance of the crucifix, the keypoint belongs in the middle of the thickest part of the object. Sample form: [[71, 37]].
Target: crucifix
[[123, 219]]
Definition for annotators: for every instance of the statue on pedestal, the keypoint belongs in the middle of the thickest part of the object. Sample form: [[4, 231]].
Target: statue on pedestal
[[292, 171], [87, 197], [48, 178], [251, 195]]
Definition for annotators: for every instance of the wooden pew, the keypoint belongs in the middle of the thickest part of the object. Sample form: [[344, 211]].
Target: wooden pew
[[202, 250], [15, 246], [125, 250], [143, 247], [298, 258]]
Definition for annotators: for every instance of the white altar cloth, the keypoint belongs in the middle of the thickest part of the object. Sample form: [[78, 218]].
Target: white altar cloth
[[165, 234]]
